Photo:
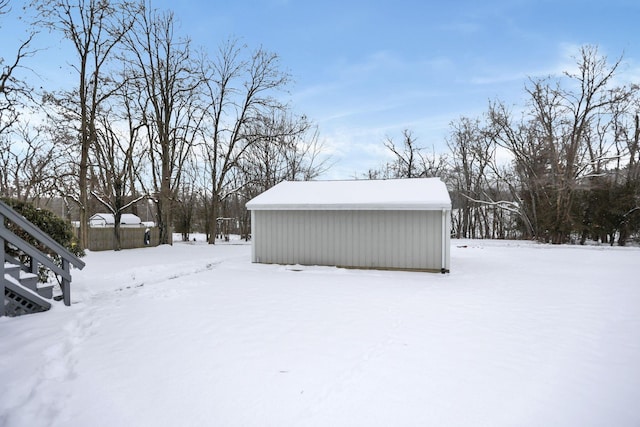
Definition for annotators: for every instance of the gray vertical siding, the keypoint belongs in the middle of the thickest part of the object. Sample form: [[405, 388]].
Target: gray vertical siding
[[368, 239]]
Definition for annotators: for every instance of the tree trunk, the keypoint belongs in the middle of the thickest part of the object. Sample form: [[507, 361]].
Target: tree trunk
[[83, 231], [116, 231], [212, 219]]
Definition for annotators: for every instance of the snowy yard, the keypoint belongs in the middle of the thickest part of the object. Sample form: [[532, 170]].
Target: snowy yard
[[518, 334]]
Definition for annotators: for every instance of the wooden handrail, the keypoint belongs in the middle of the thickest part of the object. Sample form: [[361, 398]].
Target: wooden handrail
[[40, 235], [33, 252]]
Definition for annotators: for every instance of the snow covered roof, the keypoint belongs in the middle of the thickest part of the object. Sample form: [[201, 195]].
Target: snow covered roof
[[390, 194], [109, 218]]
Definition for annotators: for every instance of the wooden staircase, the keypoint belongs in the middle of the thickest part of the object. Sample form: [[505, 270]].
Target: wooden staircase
[[21, 294], [19, 281]]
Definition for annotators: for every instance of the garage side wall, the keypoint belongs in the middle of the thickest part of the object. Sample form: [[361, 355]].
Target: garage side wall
[[367, 239]]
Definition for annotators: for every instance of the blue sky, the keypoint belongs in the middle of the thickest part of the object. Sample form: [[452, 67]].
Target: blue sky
[[366, 70]]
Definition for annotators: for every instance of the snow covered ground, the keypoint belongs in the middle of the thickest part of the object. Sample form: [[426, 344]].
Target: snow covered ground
[[518, 334]]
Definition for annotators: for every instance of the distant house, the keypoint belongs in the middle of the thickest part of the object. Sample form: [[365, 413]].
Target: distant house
[[101, 220], [387, 224]]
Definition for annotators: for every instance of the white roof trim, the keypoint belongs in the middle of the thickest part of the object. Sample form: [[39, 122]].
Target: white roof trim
[[391, 194]]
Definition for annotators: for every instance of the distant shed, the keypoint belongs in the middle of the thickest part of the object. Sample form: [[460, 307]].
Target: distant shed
[[399, 224], [108, 220]]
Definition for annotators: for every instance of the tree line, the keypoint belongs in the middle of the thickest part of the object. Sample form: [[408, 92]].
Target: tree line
[[150, 117], [564, 167], [153, 120]]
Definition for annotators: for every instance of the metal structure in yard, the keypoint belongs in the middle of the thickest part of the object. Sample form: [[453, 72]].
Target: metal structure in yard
[[401, 224]]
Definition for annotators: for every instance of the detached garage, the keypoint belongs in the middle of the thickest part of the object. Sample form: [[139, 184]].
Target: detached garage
[[399, 224]]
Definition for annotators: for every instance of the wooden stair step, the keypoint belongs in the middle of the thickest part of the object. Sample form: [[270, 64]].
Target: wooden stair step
[[12, 270], [29, 280]]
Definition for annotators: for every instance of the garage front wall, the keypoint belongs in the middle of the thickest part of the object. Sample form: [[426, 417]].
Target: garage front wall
[[405, 239]]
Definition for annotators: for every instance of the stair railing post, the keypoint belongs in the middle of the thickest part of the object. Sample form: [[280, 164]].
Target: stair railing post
[[66, 284], [2, 313], [33, 265]]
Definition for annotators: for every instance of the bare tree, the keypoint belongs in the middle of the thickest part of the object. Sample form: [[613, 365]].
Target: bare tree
[[472, 151], [95, 28], [14, 91], [410, 160], [407, 157], [27, 164], [553, 144], [187, 199], [240, 93], [165, 67], [117, 157], [285, 148], [610, 201]]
